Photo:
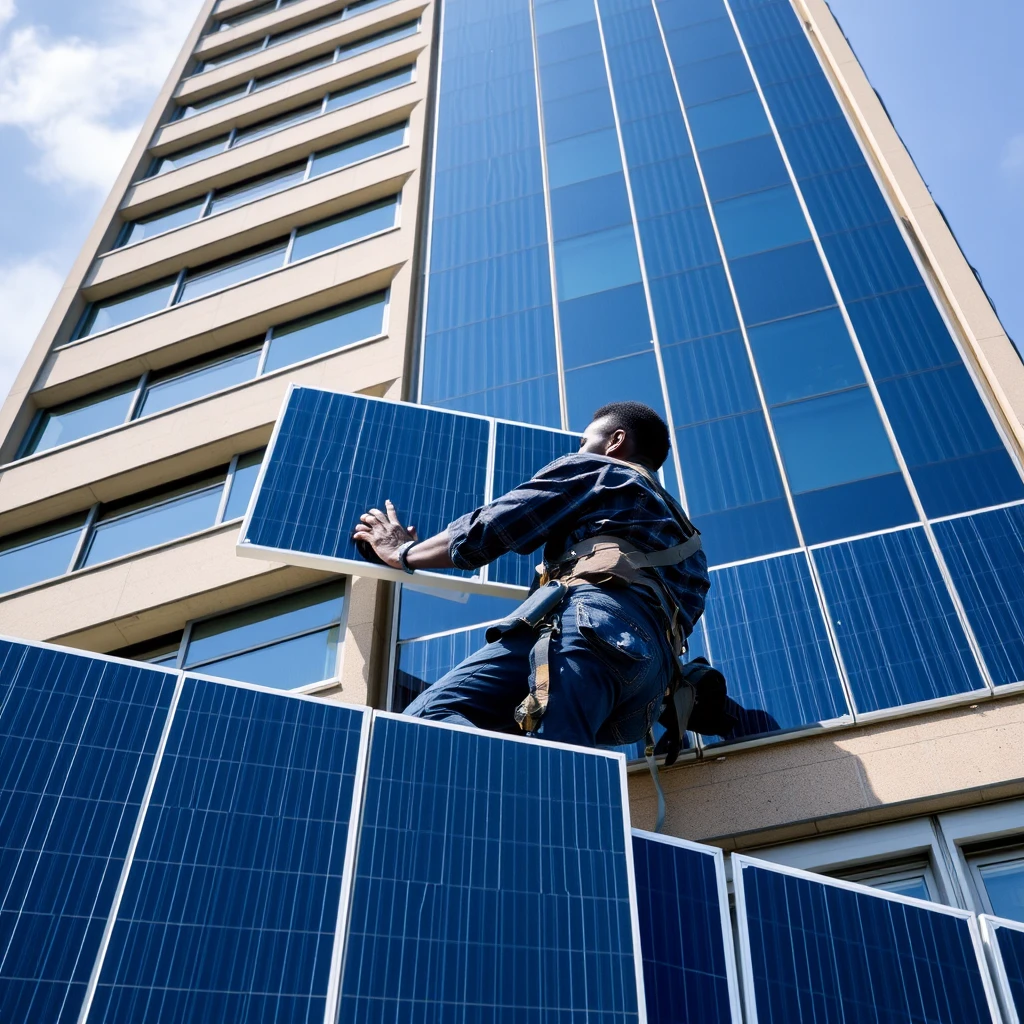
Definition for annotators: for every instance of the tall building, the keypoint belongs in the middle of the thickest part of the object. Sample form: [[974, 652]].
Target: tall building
[[524, 209]]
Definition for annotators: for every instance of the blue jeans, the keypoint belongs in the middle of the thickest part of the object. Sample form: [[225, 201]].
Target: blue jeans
[[609, 666]]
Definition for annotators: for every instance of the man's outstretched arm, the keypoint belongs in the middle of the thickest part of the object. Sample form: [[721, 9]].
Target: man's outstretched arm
[[385, 534]]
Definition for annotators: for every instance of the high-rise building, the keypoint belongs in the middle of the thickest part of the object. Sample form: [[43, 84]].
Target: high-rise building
[[524, 209]]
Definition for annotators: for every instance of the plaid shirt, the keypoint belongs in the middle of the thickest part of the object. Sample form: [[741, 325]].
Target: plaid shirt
[[571, 499]]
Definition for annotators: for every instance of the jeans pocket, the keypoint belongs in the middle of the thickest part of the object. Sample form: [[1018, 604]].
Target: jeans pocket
[[634, 727], [612, 634]]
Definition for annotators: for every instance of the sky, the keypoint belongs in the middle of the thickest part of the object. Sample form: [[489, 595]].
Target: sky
[[78, 76]]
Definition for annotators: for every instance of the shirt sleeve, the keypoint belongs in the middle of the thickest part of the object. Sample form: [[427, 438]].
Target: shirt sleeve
[[524, 518]]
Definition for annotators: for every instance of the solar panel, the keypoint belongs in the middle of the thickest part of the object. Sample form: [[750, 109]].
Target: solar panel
[[1004, 941], [78, 738], [334, 456], [823, 950], [230, 911], [685, 932], [493, 882]]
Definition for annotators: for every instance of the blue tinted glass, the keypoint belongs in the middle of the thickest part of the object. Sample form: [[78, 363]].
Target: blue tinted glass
[[342, 230], [204, 380], [1004, 886], [242, 482], [80, 737], [506, 133], [228, 199], [426, 612], [634, 378], [742, 167], [984, 555], [951, 445], [679, 13], [825, 146], [870, 260], [709, 378], [595, 263], [767, 634], [590, 206], [804, 356], [39, 555], [655, 139], [571, 77], [285, 665], [702, 41], [764, 220], [333, 329], [559, 14], [231, 272], [147, 227], [685, 953], [893, 618], [781, 283], [253, 865], [153, 524], [365, 90], [423, 662], [902, 332], [644, 97], [847, 510], [529, 401], [568, 43], [483, 234], [276, 124], [287, 74], [679, 241], [380, 39], [605, 325], [746, 531], [577, 115], [693, 304], [845, 199], [430, 464], [352, 9], [444, 854], [102, 316], [802, 101], [811, 958], [184, 157], [784, 58], [665, 186], [729, 120], [714, 79], [1011, 951], [833, 440], [69, 422], [586, 156]]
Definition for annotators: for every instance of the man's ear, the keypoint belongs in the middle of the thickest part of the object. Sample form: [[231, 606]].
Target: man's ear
[[615, 442]]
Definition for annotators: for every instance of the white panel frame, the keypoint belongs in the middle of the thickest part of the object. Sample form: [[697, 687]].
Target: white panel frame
[[729, 945], [477, 584], [741, 861], [990, 928]]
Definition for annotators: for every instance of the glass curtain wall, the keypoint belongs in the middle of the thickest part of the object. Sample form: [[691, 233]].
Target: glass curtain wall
[[663, 200]]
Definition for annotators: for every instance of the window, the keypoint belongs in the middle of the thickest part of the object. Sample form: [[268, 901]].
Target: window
[[158, 223], [998, 876], [914, 878], [349, 227], [69, 422], [203, 379], [38, 555], [242, 483], [184, 157], [109, 313], [232, 271], [268, 184], [276, 124]]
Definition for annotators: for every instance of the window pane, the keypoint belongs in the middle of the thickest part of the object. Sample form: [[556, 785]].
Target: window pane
[[326, 331], [916, 887], [203, 380], [781, 283], [596, 263], [833, 440], [298, 662], [358, 149], [153, 524], [231, 55], [102, 316], [275, 124], [229, 198], [202, 282], [381, 39], [184, 157], [147, 227], [303, 30], [551, 17], [242, 483], [362, 6], [285, 75], [39, 555], [347, 228], [262, 623], [241, 19], [210, 102], [1004, 885], [90, 415], [763, 220], [374, 87], [730, 120]]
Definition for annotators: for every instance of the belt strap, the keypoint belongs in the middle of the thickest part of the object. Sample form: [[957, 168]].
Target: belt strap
[[667, 556], [531, 710]]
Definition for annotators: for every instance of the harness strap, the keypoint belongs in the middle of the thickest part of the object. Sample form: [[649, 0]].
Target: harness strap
[[667, 556], [531, 710], [652, 765]]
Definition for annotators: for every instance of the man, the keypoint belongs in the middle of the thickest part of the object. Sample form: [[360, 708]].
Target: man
[[587, 664]]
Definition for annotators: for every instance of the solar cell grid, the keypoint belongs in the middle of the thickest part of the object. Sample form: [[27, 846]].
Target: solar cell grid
[[1004, 941], [817, 949]]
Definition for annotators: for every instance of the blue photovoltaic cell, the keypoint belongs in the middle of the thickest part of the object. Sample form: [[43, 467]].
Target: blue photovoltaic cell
[[681, 934], [491, 883], [78, 736], [985, 553], [231, 906], [830, 954], [519, 453], [894, 620], [1010, 942], [335, 456]]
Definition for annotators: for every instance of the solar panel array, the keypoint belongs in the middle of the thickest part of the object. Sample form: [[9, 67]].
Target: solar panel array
[[334, 456], [1005, 943]]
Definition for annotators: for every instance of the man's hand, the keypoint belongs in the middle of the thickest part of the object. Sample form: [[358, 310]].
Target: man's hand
[[384, 533]]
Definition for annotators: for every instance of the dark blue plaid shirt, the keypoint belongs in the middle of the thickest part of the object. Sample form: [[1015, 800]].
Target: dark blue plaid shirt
[[571, 499]]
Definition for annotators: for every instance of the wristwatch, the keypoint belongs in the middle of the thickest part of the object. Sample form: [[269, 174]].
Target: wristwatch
[[403, 555]]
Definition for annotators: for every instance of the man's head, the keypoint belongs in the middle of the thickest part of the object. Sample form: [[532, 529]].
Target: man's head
[[630, 431]]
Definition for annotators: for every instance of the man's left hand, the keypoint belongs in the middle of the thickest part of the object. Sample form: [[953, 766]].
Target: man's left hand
[[384, 533]]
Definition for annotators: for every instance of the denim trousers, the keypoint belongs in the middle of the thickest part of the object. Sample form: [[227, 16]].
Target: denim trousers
[[609, 665]]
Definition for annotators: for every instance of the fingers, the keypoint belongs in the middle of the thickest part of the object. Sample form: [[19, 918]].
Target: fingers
[[392, 514], [413, 533]]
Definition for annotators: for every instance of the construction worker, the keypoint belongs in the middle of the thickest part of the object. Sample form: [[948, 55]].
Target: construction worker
[[586, 659]]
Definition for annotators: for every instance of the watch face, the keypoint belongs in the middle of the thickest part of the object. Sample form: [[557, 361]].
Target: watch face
[[367, 552]]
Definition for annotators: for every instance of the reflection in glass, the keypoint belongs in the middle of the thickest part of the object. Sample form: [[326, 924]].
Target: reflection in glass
[[147, 227], [595, 263], [287, 74], [374, 87], [284, 665], [109, 313], [358, 149], [763, 220], [349, 227], [232, 271], [69, 422], [37, 555], [210, 102], [1004, 886], [268, 184], [202, 380], [247, 469], [728, 120], [184, 157], [585, 156], [275, 124], [917, 887]]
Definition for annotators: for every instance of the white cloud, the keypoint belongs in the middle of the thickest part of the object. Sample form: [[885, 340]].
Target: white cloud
[[1013, 156], [78, 100], [27, 291]]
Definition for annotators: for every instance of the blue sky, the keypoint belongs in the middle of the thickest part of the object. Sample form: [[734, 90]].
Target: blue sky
[[77, 77]]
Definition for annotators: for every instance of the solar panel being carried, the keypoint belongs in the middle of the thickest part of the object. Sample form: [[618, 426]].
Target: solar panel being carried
[[334, 456]]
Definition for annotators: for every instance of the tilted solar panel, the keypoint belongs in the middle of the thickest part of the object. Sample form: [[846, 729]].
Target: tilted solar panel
[[831, 952], [685, 932], [493, 883], [1004, 941], [334, 456]]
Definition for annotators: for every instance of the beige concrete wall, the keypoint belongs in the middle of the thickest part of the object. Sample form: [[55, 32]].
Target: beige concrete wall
[[275, 21], [842, 779]]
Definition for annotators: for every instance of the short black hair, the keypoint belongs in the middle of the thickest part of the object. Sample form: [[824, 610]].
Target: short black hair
[[647, 429]]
